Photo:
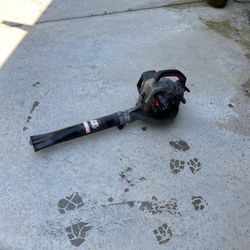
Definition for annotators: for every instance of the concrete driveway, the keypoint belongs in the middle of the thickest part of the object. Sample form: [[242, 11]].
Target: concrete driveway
[[183, 185]]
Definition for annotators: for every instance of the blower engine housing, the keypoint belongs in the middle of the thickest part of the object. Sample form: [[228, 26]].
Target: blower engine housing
[[160, 96]]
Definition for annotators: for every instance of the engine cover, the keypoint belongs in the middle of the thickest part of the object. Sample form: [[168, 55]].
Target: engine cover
[[160, 96]]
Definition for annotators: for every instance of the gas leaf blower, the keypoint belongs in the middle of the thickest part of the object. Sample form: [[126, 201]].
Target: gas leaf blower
[[159, 98]]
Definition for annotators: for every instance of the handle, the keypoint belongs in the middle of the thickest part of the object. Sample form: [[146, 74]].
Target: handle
[[171, 72]]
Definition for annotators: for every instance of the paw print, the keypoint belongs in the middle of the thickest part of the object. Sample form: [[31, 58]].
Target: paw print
[[163, 233], [179, 145], [72, 202], [194, 165], [76, 233], [176, 166], [198, 202]]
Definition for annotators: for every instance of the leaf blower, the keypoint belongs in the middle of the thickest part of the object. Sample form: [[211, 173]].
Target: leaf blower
[[159, 98]]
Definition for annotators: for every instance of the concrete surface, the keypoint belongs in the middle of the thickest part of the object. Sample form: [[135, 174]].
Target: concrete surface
[[126, 189]]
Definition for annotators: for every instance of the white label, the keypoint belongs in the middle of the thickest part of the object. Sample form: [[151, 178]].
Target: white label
[[86, 126], [94, 124]]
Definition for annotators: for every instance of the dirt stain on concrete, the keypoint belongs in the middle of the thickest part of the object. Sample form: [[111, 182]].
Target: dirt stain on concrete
[[158, 207], [227, 29], [35, 104], [246, 87], [110, 199], [153, 207], [35, 84], [125, 175], [238, 121], [223, 27], [247, 55], [28, 119], [181, 5], [129, 203], [122, 175], [240, 33]]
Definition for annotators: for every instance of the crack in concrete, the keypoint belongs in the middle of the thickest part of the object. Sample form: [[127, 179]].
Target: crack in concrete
[[107, 13]]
